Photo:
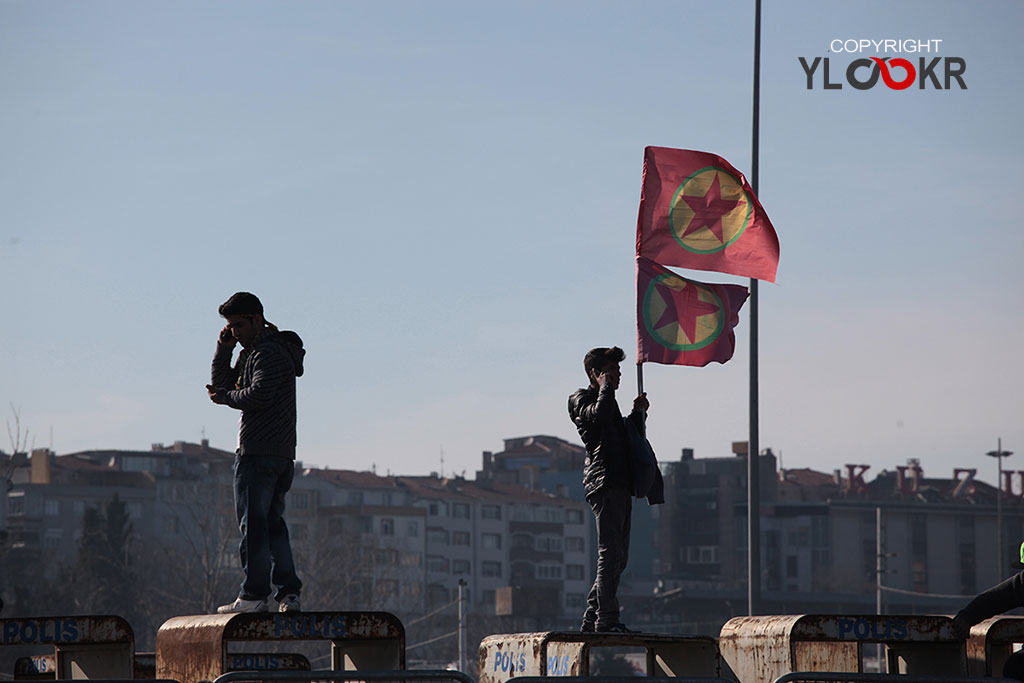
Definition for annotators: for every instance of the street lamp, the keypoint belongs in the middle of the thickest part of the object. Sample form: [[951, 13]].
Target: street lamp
[[999, 454]]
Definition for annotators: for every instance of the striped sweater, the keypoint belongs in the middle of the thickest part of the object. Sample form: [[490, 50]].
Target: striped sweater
[[265, 393]]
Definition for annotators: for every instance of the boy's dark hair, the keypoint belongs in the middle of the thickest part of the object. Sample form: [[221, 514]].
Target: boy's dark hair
[[602, 356], [241, 303]]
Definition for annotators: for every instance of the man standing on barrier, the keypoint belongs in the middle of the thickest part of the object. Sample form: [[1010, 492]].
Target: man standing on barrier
[[607, 480], [262, 386]]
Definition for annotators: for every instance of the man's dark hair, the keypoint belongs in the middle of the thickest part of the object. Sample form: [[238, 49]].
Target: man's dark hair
[[602, 356], [241, 303]]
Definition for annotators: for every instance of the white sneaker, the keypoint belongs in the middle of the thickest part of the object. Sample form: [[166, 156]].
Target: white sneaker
[[290, 603], [242, 605]]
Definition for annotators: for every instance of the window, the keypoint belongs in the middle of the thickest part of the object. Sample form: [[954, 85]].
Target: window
[[490, 569], [574, 516], [918, 535], [436, 535], [547, 544], [521, 541], [460, 538], [549, 571], [386, 588], [134, 510], [704, 554], [78, 507], [437, 564], [16, 504], [300, 501], [551, 514], [490, 541], [438, 509], [574, 600], [791, 566], [412, 529], [52, 538], [574, 572], [386, 556], [53, 508], [386, 498], [460, 566], [574, 544], [412, 559], [490, 512], [460, 510], [387, 526]]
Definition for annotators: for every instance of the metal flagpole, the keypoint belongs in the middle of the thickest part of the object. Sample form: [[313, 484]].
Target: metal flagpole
[[753, 447]]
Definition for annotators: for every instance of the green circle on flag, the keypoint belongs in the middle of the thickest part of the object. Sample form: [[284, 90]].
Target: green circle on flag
[[709, 210], [671, 334]]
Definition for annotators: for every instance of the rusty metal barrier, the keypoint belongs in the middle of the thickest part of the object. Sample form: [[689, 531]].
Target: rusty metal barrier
[[991, 643], [567, 654], [380, 675], [824, 677], [83, 646], [196, 648], [760, 649], [619, 679]]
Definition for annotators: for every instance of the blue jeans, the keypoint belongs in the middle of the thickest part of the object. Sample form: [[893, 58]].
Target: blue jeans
[[260, 484]]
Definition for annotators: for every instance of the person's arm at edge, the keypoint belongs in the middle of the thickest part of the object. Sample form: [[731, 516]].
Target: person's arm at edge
[[996, 600]]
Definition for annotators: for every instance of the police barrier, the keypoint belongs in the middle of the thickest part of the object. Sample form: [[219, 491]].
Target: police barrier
[[567, 653], [617, 679], [404, 675], [197, 648], [83, 646], [817, 676], [44, 667], [759, 649], [991, 642]]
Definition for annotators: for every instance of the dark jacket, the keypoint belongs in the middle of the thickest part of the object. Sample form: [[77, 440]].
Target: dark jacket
[[647, 480], [996, 600], [600, 424], [265, 393]]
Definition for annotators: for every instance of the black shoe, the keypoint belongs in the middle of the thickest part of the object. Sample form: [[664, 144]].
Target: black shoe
[[616, 628], [586, 627]]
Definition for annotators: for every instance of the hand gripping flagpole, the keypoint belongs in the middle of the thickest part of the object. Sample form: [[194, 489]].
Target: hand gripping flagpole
[[753, 447]]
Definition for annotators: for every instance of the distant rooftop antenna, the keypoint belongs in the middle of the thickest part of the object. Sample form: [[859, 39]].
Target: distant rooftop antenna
[[442, 462]]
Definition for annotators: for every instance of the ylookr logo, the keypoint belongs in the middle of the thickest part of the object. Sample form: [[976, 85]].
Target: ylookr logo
[[896, 73]]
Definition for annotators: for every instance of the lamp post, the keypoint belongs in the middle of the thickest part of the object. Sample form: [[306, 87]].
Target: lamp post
[[999, 454]]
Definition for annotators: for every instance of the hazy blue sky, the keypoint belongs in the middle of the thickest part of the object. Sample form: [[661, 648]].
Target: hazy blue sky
[[441, 198]]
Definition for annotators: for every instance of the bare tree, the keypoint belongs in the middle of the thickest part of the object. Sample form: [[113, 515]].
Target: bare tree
[[20, 447]]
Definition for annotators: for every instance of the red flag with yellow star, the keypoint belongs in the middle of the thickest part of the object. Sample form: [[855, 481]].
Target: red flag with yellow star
[[697, 211], [681, 321]]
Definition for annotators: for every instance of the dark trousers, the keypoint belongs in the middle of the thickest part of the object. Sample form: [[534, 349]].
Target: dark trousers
[[612, 509], [260, 484]]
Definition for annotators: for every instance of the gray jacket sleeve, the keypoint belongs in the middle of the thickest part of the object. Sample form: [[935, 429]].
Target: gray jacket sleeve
[[222, 375], [271, 369]]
